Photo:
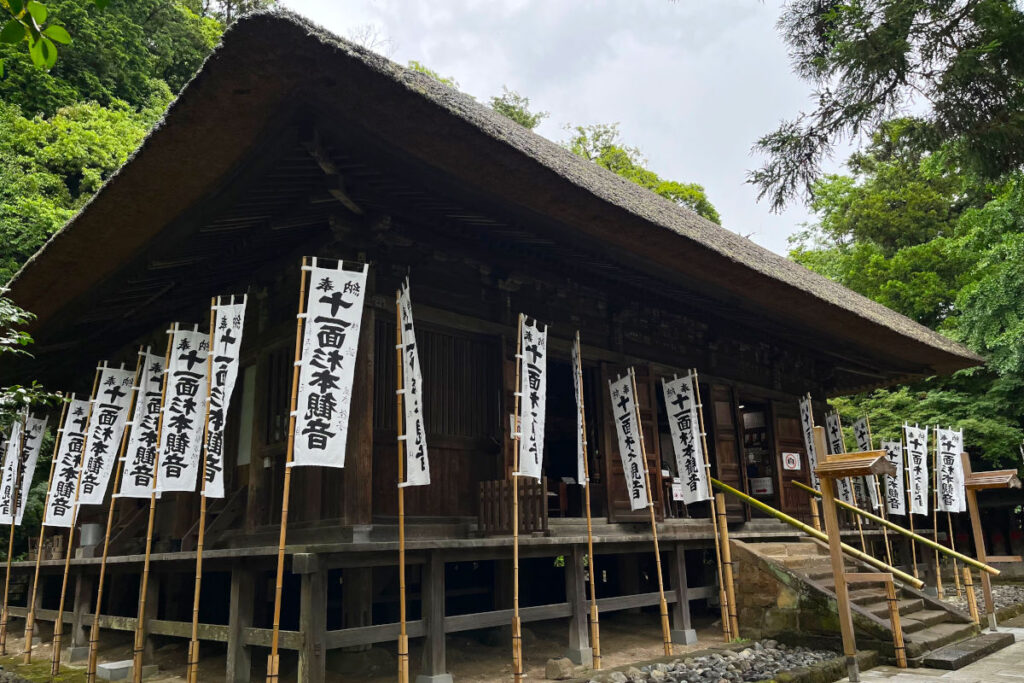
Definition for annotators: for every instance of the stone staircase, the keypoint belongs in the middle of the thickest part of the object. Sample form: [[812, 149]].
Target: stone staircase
[[928, 624]]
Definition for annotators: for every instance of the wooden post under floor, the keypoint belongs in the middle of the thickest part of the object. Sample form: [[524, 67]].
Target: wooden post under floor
[[580, 651], [313, 623], [153, 601], [85, 588], [682, 629], [434, 668], [240, 617]]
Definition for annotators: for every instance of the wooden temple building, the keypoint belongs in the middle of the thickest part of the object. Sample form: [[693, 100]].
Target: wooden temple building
[[291, 142]]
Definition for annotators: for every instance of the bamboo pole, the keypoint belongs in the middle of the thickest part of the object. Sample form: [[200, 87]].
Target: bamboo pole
[[666, 631], [58, 624], [139, 647], [94, 632], [878, 496], [273, 659], [917, 537], [723, 599], [517, 628], [730, 586], [972, 599], [192, 674], [910, 509], [30, 619], [860, 529], [595, 630], [952, 546], [815, 517], [403, 636], [19, 472], [897, 630], [935, 511]]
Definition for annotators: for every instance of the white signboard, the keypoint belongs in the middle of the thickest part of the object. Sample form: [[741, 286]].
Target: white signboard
[[916, 439], [417, 465], [229, 320], [862, 433], [624, 412], [137, 470], [807, 428], [334, 312], [106, 428], [581, 437], [684, 425], [895, 503], [181, 431], [35, 427], [949, 445], [533, 389], [12, 464], [60, 499]]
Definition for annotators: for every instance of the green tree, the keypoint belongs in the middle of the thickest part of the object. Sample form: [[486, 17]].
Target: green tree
[[601, 144], [517, 107]]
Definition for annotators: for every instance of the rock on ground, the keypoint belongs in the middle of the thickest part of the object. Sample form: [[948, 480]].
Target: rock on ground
[[559, 669]]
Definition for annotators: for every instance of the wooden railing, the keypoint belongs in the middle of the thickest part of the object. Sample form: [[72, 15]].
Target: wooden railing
[[495, 516]]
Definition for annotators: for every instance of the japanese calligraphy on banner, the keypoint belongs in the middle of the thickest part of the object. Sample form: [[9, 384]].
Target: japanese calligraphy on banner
[[533, 389], [807, 428], [334, 311], [60, 501], [12, 462], [229, 320], [834, 435], [417, 465], [949, 445], [581, 436], [862, 434], [624, 410], [106, 427], [181, 431], [894, 487], [916, 439], [25, 470], [140, 456], [684, 425]]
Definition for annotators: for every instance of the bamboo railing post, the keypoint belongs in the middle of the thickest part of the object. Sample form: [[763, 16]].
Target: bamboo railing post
[[815, 517], [897, 629], [403, 636], [595, 630], [723, 599], [972, 599], [58, 624], [979, 543], [935, 512], [952, 546], [910, 509], [139, 645], [730, 586], [15, 491], [273, 659], [666, 631], [94, 632], [30, 619], [517, 632], [192, 673]]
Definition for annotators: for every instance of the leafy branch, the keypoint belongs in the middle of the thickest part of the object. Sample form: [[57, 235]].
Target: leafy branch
[[27, 21]]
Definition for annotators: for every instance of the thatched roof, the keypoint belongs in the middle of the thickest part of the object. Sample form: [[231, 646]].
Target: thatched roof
[[270, 64]]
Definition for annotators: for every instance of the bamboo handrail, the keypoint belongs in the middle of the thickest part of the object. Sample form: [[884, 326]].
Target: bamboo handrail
[[814, 533], [897, 528]]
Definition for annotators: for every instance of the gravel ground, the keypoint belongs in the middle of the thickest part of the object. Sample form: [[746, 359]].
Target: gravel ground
[[761, 661], [1005, 595], [9, 677]]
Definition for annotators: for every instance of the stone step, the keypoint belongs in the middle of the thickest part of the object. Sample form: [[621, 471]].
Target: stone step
[[922, 619], [907, 606], [959, 655], [812, 562], [932, 638], [772, 549], [866, 596]]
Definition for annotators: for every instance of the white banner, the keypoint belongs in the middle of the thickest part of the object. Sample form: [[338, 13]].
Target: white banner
[[35, 427], [229, 321], [181, 431], [581, 436], [950, 444], [624, 410], [417, 464], [862, 433], [60, 500], [917, 465], [684, 425], [807, 427], [140, 456], [895, 503], [533, 390], [12, 463], [330, 342], [106, 427], [836, 445]]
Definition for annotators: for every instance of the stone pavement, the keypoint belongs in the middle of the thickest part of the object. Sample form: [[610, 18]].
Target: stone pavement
[[1003, 666]]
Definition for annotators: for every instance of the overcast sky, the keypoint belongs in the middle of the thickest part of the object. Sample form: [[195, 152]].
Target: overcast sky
[[692, 83]]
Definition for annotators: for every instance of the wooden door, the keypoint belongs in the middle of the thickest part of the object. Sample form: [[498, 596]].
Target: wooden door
[[617, 495], [789, 439], [726, 446]]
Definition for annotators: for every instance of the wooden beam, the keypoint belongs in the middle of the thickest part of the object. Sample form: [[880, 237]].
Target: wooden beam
[[855, 465], [995, 479]]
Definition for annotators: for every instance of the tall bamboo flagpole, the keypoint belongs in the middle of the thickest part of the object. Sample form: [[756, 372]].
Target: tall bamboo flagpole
[[94, 632], [58, 624], [666, 632], [139, 645], [910, 507], [595, 630], [517, 628], [30, 620], [15, 491], [856, 518], [192, 674], [881, 500], [722, 599], [273, 659], [403, 637], [952, 546], [935, 510]]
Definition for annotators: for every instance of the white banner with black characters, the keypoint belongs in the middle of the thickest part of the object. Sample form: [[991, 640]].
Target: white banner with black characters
[[181, 430], [35, 427], [916, 439], [107, 421], [862, 434], [533, 390], [624, 411], [417, 464], [895, 503], [807, 428], [684, 426], [12, 462], [330, 342], [140, 456], [229, 320], [834, 436], [581, 436], [949, 445], [60, 501]]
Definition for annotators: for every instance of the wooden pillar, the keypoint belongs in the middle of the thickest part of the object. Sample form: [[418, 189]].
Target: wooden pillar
[[153, 600], [313, 622], [358, 470], [357, 599], [682, 630], [84, 590], [580, 651], [240, 617], [434, 668], [979, 545]]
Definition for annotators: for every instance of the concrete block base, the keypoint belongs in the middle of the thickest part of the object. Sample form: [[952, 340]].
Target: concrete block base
[[122, 671], [583, 656], [684, 636], [73, 655], [436, 678]]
